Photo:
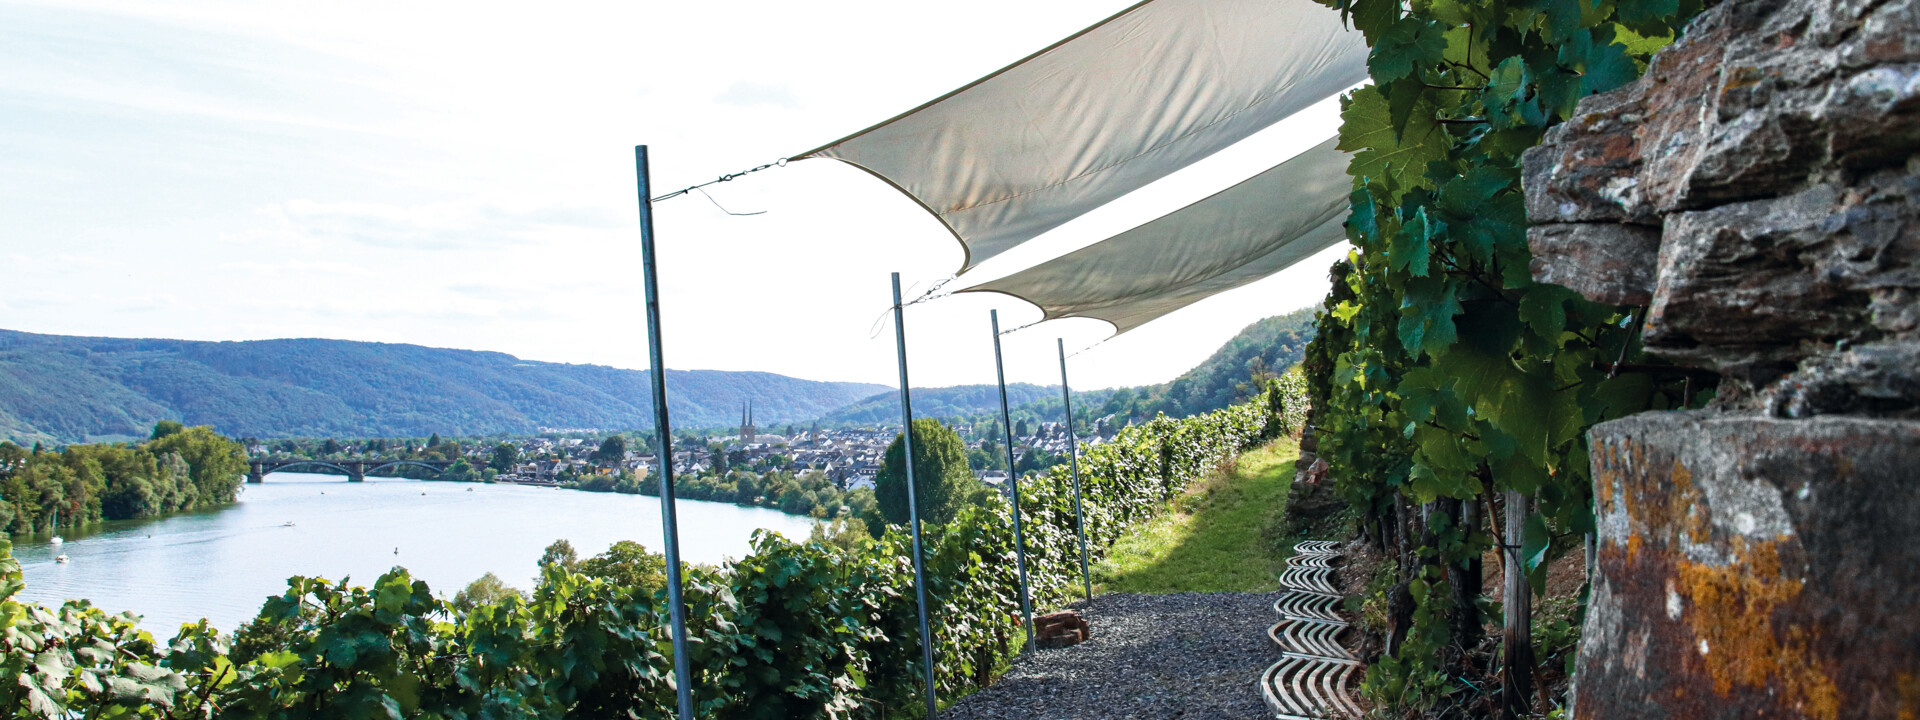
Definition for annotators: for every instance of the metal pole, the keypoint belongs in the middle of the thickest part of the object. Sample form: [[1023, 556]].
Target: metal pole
[[913, 502], [1019, 541], [657, 372], [1073, 459]]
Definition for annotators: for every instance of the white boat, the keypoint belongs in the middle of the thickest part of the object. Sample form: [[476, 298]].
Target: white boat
[[288, 523], [62, 559], [57, 541]]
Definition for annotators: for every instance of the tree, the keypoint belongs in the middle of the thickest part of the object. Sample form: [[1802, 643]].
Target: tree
[[488, 590], [215, 464], [612, 452], [330, 447], [459, 471], [560, 552], [1020, 428], [166, 427], [942, 479], [433, 442], [627, 564], [505, 455], [719, 454]]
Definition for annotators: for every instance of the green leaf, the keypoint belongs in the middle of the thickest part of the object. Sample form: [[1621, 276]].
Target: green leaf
[[1483, 215], [1426, 315], [1558, 18], [1412, 244], [1373, 17], [1402, 95], [1543, 308], [1398, 160], [1363, 223], [1646, 14], [1408, 45], [1601, 64], [1534, 542]]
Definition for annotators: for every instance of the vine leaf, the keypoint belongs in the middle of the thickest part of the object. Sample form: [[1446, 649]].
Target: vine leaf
[[1407, 44], [1413, 243], [1398, 161], [1426, 316], [1483, 217], [1602, 65], [1373, 17], [1543, 308]]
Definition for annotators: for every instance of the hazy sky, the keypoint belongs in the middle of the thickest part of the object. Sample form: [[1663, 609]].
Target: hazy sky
[[461, 175]]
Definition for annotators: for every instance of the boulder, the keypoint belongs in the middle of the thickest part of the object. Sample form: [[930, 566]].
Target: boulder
[[1753, 567]]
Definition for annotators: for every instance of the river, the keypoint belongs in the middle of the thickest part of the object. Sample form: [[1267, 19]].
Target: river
[[222, 564]]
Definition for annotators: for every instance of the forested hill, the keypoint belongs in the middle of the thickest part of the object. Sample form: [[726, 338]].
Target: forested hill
[[73, 389], [1266, 347], [945, 403]]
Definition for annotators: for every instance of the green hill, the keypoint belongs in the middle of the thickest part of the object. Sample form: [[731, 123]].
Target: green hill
[[65, 389], [946, 403], [1268, 346]]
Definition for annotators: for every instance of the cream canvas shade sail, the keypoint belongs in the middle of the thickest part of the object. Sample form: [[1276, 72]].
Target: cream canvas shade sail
[[1102, 113], [1242, 234]]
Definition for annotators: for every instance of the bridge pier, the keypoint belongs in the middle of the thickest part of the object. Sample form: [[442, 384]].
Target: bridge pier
[[256, 473], [356, 471]]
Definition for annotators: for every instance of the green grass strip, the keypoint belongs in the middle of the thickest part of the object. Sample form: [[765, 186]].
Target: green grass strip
[[1219, 536]]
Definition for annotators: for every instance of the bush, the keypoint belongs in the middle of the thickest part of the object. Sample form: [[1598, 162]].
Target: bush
[[825, 628]]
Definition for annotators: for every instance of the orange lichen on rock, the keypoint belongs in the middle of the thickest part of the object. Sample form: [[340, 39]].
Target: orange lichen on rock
[[1688, 503], [1731, 609]]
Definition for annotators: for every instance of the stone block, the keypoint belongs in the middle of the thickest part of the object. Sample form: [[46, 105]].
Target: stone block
[[1753, 567], [1606, 262], [1060, 629], [1750, 289], [1880, 379]]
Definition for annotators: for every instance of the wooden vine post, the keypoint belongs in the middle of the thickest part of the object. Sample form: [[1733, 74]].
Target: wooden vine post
[[1516, 672]]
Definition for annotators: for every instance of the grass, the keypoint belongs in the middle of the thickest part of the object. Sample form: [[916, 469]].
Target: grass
[[1218, 536]]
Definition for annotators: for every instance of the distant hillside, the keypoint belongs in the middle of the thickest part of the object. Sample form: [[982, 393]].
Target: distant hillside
[[946, 403], [1268, 346], [74, 389]]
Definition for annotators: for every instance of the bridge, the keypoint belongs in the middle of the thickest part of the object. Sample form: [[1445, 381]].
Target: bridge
[[355, 470]]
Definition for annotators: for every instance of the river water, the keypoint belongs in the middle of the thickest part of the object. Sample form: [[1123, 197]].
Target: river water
[[222, 564]]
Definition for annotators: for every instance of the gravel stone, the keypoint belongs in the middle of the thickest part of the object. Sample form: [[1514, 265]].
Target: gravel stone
[[1191, 655]]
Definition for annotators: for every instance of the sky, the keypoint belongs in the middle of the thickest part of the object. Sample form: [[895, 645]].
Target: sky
[[461, 175]]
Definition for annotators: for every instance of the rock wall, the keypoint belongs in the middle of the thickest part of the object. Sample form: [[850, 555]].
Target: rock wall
[[1757, 192]]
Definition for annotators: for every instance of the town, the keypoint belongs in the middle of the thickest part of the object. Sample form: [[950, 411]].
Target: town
[[848, 458]]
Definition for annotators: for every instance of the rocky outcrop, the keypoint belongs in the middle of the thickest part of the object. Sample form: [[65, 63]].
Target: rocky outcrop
[[1757, 190], [1757, 193]]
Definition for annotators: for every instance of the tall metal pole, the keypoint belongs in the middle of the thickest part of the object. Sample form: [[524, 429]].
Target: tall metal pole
[[1073, 459], [913, 502], [657, 372], [1019, 541]]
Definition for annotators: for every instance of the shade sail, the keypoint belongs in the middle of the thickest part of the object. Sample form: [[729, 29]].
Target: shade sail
[[1102, 113], [1242, 234]]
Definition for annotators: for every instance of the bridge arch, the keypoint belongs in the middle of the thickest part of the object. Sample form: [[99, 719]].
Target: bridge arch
[[436, 467], [266, 468]]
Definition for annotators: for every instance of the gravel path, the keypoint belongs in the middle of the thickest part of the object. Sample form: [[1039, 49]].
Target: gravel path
[[1191, 655]]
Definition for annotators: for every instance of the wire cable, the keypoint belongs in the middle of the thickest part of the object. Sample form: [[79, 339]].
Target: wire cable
[[782, 162]]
